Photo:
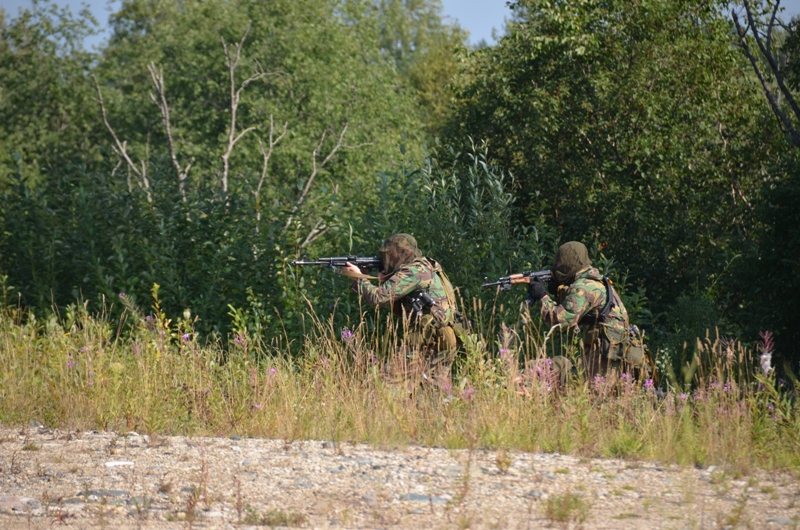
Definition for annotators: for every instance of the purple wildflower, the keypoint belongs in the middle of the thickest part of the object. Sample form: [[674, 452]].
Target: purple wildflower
[[468, 394], [122, 295], [549, 361], [84, 349], [237, 340], [186, 337], [148, 318], [770, 407], [503, 351], [347, 335], [69, 364], [624, 376], [273, 370], [648, 383], [256, 406], [683, 396]]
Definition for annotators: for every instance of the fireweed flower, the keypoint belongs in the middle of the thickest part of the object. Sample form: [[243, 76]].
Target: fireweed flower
[[624, 376], [347, 335], [648, 383], [468, 394]]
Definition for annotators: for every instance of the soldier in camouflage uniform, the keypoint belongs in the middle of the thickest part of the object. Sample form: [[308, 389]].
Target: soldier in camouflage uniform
[[431, 334], [587, 303]]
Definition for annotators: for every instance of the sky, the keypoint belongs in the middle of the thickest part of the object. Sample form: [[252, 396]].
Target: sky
[[479, 17]]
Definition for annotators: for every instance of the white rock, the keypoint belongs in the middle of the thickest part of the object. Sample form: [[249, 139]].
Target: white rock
[[119, 463]]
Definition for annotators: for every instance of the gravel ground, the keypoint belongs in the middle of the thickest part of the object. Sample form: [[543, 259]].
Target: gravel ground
[[104, 480]]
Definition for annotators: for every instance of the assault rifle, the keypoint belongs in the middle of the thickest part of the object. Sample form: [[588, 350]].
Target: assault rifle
[[505, 282], [341, 261]]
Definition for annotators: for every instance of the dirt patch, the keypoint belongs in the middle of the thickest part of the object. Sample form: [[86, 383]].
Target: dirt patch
[[105, 480]]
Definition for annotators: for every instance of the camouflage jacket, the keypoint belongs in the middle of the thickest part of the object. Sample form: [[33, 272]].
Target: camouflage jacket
[[586, 296], [421, 275]]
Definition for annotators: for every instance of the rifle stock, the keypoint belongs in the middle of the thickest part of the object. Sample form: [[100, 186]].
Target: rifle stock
[[505, 282]]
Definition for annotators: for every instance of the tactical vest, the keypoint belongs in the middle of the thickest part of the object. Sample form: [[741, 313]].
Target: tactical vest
[[619, 346], [444, 300]]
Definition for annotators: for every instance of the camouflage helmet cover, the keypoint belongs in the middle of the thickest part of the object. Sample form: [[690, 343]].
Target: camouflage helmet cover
[[570, 258], [397, 251]]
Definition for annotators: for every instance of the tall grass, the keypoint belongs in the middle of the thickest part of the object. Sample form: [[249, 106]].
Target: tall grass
[[82, 371]]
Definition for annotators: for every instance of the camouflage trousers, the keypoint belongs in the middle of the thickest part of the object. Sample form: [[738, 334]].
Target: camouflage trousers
[[425, 358], [602, 361]]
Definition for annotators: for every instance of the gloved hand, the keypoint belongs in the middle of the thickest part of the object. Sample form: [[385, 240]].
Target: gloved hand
[[536, 290]]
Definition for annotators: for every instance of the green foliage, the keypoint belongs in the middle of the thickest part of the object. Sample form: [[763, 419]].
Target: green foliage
[[567, 508], [456, 209], [635, 126], [425, 51], [775, 271], [95, 226], [46, 110]]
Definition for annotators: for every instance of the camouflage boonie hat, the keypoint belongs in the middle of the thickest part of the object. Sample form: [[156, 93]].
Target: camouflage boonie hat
[[570, 258], [397, 251]]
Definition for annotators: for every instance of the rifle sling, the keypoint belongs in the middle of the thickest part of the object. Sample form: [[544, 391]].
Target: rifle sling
[[600, 317]]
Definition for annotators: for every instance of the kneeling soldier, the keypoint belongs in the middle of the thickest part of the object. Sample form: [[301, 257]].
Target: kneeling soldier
[[415, 287], [586, 301]]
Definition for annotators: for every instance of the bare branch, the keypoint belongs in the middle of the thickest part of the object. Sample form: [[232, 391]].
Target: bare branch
[[315, 169], [267, 153], [157, 75], [315, 233], [357, 146], [773, 64], [783, 119], [121, 147], [772, 25], [232, 58], [239, 136]]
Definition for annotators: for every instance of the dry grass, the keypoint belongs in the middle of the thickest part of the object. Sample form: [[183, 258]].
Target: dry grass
[[152, 376]]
